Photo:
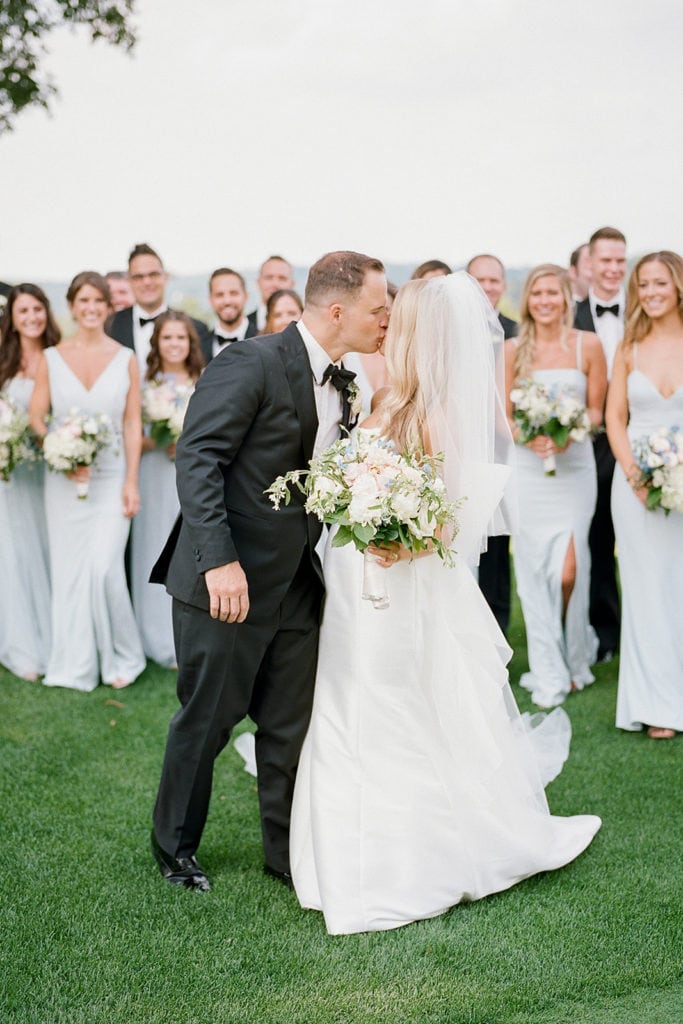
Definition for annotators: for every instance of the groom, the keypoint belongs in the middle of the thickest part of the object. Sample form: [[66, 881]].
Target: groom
[[246, 582]]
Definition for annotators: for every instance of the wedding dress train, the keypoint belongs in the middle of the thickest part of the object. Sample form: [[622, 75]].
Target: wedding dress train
[[420, 785]]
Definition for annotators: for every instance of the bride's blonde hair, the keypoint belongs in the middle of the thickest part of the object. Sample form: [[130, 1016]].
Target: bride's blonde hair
[[403, 412]]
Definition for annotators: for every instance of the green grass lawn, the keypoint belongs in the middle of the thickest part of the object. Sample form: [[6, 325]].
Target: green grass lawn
[[91, 935]]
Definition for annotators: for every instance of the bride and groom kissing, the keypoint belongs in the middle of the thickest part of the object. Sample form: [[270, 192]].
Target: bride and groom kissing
[[418, 786]]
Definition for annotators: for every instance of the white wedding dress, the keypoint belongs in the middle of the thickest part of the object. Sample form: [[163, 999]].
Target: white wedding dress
[[420, 785]]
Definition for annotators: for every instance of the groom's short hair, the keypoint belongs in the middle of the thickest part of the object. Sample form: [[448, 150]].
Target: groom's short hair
[[338, 272]]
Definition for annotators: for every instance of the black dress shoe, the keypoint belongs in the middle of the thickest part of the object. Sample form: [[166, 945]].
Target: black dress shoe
[[282, 876], [180, 870]]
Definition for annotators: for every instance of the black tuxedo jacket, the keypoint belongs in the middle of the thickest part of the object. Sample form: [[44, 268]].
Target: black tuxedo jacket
[[253, 320], [510, 327], [251, 418], [208, 339], [120, 328], [583, 318]]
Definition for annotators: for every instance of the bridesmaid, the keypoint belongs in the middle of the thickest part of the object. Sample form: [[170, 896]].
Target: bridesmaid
[[552, 558], [282, 307], [175, 354], [93, 628], [646, 393], [27, 328]]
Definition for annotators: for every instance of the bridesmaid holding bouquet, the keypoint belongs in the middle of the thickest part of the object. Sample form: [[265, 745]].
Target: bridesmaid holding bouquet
[[644, 405], [89, 376], [27, 328]]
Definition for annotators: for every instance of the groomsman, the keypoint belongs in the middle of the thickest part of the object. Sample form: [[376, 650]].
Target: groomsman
[[228, 297], [494, 565], [133, 327], [430, 268], [602, 311], [275, 273], [579, 271], [120, 290]]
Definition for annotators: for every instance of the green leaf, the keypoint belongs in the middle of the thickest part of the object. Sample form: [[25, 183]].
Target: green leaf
[[344, 535]]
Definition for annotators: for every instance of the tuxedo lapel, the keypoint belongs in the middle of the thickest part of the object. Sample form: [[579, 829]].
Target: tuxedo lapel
[[300, 379]]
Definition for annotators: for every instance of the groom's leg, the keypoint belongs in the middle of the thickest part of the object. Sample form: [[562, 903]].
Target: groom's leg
[[217, 666], [281, 708]]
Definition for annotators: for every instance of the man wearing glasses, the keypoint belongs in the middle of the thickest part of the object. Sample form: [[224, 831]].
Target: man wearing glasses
[[133, 327]]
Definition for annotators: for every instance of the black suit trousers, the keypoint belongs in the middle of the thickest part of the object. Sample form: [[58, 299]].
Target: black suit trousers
[[604, 592], [264, 669], [494, 579]]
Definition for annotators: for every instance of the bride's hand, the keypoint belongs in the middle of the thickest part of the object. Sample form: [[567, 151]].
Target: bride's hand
[[393, 552], [388, 554], [81, 475]]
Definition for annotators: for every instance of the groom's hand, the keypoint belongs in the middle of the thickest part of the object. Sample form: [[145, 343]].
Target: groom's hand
[[228, 592]]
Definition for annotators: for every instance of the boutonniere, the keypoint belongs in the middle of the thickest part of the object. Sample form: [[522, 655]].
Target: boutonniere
[[355, 398]]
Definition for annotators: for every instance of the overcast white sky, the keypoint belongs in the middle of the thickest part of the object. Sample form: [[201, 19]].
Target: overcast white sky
[[408, 129]]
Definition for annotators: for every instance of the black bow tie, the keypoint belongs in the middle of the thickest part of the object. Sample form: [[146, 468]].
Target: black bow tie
[[338, 376], [147, 320], [599, 310], [223, 339]]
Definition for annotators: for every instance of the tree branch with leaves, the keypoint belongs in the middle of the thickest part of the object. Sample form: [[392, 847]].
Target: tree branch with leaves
[[23, 28]]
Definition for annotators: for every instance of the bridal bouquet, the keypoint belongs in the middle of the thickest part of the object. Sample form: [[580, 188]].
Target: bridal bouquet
[[659, 457], [374, 495], [74, 441], [164, 404], [16, 438], [550, 412]]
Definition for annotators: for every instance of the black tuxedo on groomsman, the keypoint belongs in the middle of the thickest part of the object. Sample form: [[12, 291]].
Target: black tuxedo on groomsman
[[211, 340], [604, 592], [494, 564], [252, 417], [253, 320]]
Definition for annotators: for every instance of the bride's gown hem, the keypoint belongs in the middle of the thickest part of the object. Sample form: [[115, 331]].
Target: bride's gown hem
[[420, 786], [94, 636]]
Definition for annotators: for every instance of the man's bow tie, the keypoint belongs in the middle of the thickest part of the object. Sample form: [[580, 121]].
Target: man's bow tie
[[599, 310], [147, 320], [338, 376], [223, 339]]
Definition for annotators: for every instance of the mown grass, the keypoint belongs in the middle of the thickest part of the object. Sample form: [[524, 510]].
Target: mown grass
[[91, 934]]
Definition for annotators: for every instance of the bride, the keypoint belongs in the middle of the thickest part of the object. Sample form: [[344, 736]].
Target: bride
[[420, 786]]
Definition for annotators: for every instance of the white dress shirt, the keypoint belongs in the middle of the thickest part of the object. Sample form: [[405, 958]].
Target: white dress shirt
[[608, 327], [142, 336], [221, 339], [328, 401]]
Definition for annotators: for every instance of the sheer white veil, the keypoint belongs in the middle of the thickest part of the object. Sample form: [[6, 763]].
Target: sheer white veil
[[461, 372]]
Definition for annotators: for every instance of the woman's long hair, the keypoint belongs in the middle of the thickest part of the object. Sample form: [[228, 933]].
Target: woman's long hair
[[526, 338], [638, 323], [194, 363], [10, 342], [403, 409]]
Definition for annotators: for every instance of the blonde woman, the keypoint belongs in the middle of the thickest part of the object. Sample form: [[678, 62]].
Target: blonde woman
[[551, 553], [418, 787], [645, 394]]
